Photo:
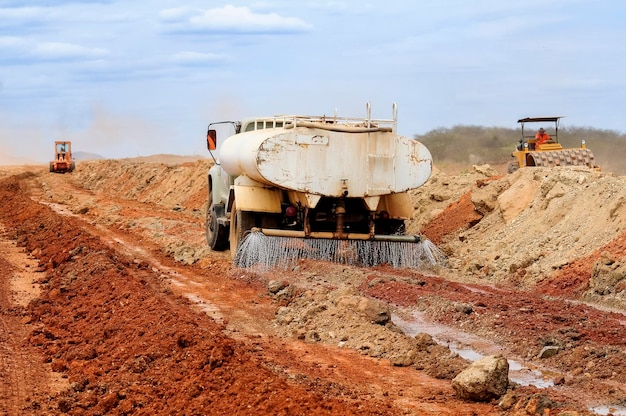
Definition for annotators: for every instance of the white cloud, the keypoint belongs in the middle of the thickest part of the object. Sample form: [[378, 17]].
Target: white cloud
[[230, 19], [60, 50], [19, 50]]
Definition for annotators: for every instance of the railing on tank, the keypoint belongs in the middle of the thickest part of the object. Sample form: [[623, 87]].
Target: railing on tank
[[333, 122]]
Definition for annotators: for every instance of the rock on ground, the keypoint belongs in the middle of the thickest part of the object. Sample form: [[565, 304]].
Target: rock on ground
[[483, 380]]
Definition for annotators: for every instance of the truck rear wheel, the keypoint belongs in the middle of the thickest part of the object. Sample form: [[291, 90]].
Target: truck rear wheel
[[216, 233], [241, 222]]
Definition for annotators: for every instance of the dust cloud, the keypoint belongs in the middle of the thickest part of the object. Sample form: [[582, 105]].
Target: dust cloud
[[107, 133]]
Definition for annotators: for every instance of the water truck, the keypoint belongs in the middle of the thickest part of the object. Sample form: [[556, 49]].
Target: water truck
[[323, 187]]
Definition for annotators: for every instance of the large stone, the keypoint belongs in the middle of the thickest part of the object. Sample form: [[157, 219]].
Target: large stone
[[483, 380], [517, 199]]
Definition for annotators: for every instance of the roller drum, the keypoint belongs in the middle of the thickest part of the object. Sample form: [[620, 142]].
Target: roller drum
[[565, 157]]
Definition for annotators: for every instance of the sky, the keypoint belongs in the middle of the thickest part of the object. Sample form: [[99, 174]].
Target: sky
[[142, 77]]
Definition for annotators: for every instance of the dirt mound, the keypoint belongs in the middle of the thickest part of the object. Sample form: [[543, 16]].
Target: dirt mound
[[346, 318], [169, 184], [164, 202], [527, 227]]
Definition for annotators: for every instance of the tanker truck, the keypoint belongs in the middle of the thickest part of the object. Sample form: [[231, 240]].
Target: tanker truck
[[324, 187]]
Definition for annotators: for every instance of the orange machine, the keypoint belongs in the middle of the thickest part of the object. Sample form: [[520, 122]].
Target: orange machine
[[529, 152], [63, 161]]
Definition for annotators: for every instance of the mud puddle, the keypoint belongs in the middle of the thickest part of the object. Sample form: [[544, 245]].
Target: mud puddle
[[473, 348], [609, 410]]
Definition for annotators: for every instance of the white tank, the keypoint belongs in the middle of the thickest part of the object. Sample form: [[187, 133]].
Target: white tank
[[328, 163]]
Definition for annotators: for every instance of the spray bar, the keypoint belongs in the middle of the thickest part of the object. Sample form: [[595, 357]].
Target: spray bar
[[271, 232]]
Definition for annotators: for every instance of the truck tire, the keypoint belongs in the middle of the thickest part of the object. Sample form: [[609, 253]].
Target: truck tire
[[241, 222], [51, 166], [216, 233]]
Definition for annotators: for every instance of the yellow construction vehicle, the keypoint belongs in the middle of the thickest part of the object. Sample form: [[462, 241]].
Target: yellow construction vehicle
[[541, 147], [63, 161]]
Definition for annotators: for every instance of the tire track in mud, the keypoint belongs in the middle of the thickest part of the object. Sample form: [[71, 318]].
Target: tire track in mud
[[13, 392], [23, 377]]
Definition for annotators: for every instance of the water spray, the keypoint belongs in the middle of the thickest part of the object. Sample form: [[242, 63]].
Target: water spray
[[282, 251]]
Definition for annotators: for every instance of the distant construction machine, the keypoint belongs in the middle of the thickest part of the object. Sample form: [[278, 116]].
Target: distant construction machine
[[322, 187], [529, 152], [63, 161]]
